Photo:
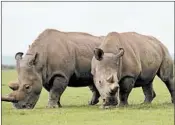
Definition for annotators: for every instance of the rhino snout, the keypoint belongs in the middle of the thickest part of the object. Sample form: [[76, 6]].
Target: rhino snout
[[110, 101]]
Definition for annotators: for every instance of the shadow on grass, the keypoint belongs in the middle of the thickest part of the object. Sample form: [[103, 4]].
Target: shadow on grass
[[72, 107], [82, 106], [148, 106], [152, 106]]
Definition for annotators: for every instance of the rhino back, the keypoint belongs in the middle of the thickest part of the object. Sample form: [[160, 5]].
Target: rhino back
[[67, 53], [143, 54]]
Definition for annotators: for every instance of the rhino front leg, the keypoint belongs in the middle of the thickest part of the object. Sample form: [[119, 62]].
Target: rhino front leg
[[126, 86], [95, 97], [124, 97], [59, 85], [148, 92]]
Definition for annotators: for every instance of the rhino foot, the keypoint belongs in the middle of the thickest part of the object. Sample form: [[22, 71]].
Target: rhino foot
[[53, 105], [93, 102], [49, 106], [122, 104], [107, 107], [173, 100]]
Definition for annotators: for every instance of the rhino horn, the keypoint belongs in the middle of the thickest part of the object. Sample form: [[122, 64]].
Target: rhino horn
[[110, 79], [8, 99]]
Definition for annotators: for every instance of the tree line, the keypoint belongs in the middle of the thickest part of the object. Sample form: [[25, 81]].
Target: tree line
[[6, 67]]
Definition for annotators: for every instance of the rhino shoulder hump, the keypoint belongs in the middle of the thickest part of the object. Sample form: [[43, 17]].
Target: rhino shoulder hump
[[111, 34], [48, 30]]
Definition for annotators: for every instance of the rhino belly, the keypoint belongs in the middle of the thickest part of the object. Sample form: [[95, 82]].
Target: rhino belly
[[80, 81], [145, 77]]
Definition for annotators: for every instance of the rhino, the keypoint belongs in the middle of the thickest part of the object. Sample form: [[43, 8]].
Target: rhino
[[54, 61], [128, 60]]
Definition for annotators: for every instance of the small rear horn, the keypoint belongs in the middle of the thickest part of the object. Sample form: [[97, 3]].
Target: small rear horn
[[13, 85]]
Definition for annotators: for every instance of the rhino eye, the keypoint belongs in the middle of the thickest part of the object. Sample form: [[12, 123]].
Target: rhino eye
[[27, 86], [100, 84]]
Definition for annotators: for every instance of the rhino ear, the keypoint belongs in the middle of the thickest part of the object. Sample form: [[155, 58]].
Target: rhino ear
[[121, 52], [34, 59], [19, 55], [98, 53]]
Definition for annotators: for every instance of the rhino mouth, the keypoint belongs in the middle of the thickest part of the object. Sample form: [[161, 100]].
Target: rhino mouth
[[110, 102], [23, 106]]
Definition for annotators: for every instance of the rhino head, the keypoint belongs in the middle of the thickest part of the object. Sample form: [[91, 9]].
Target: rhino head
[[27, 89], [105, 74]]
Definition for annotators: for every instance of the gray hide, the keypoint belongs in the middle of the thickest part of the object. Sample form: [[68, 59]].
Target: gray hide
[[55, 60], [127, 60]]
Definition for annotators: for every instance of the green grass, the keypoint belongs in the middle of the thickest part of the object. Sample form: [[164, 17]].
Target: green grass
[[75, 110]]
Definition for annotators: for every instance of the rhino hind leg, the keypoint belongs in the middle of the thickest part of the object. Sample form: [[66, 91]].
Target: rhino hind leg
[[170, 85], [59, 85], [148, 92], [95, 97], [165, 73]]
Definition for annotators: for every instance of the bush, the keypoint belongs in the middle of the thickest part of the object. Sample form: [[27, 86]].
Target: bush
[[6, 67]]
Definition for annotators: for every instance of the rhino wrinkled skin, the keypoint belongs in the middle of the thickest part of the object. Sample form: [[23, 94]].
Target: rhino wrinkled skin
[[127, 60], [54, 61]]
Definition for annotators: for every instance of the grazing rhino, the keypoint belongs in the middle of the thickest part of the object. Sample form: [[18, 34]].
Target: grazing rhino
[[55, 60], [127, 60]]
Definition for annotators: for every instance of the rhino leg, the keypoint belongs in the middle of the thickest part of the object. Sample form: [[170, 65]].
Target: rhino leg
[[126, 86], [148, 92], [95, 97], [59, 85], [165, 73], [170, 85]]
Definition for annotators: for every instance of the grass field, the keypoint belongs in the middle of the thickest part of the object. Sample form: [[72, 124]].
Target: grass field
[[75, 110]]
